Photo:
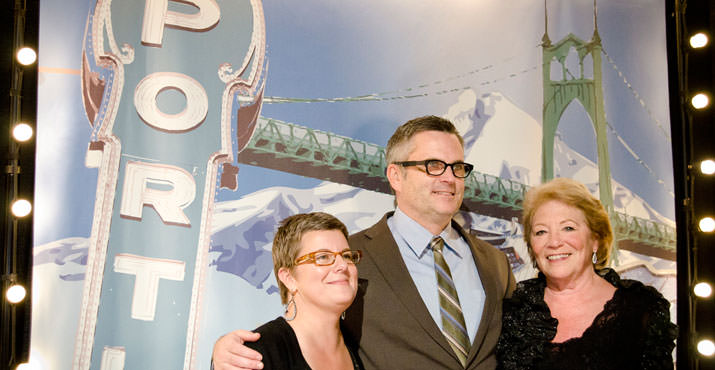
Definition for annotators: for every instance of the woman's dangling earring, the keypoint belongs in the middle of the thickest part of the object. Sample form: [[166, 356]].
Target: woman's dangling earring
[[295, 306], [594, 258], [342, 316]]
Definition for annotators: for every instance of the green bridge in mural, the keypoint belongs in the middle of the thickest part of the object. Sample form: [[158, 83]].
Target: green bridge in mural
[[323, 155]]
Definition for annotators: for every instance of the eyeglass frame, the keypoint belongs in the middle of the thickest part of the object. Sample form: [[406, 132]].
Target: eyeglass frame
[[310, 257], [468, 167]]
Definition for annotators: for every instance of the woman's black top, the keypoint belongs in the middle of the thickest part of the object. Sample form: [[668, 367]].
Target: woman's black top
[[280, 349]]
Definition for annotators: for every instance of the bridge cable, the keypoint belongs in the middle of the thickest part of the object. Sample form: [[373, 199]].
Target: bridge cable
[[406, 92], [638, 159], [637, 96]]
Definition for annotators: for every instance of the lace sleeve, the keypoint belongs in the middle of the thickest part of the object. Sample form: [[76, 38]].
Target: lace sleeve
[[660, 334]]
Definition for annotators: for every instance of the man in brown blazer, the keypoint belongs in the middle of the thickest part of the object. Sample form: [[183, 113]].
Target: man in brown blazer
[[392, 324], [398, 317]]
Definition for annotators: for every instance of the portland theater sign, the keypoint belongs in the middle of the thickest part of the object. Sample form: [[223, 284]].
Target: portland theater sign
[[172, 90]]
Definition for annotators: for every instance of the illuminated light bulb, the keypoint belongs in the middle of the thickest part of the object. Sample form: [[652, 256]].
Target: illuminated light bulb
[[698, 40], [707, 167], [36, 362], [22, 132], [706, 224], [15, 293], [702, 290], [28, 366], [26, 56], [700, 101], [21, 208], [706, 347]]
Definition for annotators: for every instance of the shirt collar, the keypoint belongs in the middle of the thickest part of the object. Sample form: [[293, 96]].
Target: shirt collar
[[418, 238]]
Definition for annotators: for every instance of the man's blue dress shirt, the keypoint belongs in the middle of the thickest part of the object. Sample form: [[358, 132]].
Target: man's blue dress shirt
[[413, 241]]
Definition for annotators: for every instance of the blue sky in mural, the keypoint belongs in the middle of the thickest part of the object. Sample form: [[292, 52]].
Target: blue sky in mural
[[396, 49]]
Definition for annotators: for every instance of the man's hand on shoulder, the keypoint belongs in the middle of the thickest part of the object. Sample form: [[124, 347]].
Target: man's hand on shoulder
[[231, 354]]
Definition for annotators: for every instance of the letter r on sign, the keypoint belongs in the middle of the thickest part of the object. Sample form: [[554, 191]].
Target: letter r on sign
[[168, 203]]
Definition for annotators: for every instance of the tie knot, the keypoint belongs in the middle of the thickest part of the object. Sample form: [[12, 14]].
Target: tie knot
[[437, 243]]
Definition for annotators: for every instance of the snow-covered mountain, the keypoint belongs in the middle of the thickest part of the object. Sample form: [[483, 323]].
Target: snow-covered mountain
[[242, 230], [503, 140]]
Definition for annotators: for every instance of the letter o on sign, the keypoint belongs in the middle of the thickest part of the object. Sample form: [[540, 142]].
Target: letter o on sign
[[197, 103]]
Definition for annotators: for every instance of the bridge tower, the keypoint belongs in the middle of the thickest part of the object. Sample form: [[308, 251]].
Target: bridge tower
[[560, 91]]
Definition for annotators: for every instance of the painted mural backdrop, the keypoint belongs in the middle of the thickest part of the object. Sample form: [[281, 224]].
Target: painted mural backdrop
[[174, 136]]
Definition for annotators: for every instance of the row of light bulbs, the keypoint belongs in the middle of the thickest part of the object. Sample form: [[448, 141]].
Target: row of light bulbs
[[21, 132], [700, 101]]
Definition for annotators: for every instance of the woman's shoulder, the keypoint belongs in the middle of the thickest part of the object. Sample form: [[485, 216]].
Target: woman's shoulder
[[530, 290], [279, 346], [633, 290], [274, 333], [279, 325], [276, 330]]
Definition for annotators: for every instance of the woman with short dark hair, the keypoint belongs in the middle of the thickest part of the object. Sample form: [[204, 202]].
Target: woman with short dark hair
[[317, 277]]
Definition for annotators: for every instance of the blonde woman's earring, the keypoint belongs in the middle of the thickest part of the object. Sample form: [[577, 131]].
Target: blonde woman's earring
[[594, 258]]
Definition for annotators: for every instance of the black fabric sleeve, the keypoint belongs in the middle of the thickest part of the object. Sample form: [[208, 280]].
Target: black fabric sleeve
[[659, 334]]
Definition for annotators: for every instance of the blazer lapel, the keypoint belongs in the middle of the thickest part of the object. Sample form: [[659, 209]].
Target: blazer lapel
[[486, 275]]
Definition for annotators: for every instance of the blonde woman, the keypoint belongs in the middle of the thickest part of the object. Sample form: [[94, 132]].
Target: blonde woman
[[579, 314]]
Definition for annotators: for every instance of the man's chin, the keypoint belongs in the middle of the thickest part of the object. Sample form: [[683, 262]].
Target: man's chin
[[448, 211]]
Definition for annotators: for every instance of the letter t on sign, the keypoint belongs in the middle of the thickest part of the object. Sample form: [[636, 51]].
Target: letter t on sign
[[148, 271]]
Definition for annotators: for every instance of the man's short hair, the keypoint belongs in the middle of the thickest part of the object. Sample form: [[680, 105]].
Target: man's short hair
[[398, 146]]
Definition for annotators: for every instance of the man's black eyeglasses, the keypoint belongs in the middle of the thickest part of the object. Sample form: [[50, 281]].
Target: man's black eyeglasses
[[435, 167]]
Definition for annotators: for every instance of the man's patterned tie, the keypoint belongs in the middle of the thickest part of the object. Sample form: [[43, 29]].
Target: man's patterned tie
[[453, 325]]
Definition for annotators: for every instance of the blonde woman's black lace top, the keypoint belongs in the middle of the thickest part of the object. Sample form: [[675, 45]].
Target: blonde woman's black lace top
[[633, 331]]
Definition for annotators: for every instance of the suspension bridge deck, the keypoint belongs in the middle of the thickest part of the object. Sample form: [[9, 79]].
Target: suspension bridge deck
[[323, 155]]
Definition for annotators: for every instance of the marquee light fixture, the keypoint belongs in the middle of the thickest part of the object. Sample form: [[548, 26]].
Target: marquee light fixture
[[702, 290], [15, 293], [699, 40], [26, 56], [706, 224], [700, 101], [22, 132], [707, 167], [29, 366], [706, 347], [21, 208]]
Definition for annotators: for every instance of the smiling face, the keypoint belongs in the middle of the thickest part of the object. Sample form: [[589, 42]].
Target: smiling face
[[562, 242], [323, 288], [429, 200]]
